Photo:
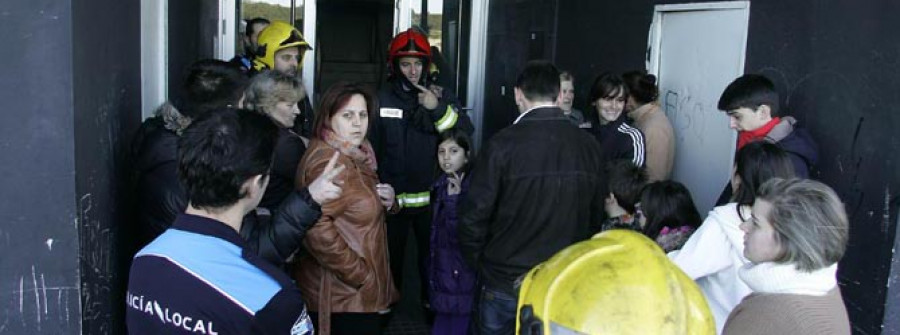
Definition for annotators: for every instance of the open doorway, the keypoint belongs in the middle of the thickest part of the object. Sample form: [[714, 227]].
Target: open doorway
[[352, 41]]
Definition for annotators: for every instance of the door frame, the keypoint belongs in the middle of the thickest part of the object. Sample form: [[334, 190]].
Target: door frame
[[477, 67], [308, 72], [224, 41], [154, 55]]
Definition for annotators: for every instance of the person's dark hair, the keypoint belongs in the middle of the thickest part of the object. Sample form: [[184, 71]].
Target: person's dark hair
[[539, 81], [336, 97], [253, 22], [749, 91], [756, 163], [607, 86], [211, 84], [667, 204], [220, 151], [566, 76], [463, 141], [641, 86], [625, 183]]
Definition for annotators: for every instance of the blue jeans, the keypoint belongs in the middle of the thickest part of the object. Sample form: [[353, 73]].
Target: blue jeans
[[496, 312]]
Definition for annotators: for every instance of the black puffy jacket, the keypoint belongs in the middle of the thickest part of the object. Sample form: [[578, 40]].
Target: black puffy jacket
[[161, 198], [288, 150], [280, 236]]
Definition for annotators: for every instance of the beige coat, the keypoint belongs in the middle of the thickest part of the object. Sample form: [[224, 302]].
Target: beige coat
[[660, 140]]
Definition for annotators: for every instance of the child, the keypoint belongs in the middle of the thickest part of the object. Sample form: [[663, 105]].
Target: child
[[451, 283], [625, 183], [667, 214]]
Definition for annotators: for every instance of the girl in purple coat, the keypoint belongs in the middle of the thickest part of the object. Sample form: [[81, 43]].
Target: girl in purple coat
[[451, 283]]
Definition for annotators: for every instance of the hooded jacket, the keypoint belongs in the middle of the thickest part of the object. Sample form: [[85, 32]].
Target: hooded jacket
[[160, 197], [712, 257], [798, 143], [794, 140]]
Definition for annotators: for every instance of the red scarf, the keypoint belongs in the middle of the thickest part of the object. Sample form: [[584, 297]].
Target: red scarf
[[746, 137]]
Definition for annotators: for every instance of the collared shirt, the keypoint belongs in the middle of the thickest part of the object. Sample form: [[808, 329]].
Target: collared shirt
[[531, 109], [197, 278]]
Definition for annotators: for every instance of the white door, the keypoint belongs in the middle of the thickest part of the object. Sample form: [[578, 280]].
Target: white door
[[697, 50]]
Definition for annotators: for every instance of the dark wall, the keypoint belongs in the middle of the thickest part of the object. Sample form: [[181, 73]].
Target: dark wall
[[518, 31], [599, 36], [107, 96], [71, 94], [38, 234], [838, 79]]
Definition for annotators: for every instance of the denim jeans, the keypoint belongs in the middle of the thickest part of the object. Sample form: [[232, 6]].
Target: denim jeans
[[496, 312]]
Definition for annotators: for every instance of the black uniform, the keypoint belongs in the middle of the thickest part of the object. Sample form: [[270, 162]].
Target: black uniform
[[404, 136]]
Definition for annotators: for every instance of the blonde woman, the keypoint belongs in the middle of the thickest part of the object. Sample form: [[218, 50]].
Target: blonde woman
[[276, 95], [795, 237]]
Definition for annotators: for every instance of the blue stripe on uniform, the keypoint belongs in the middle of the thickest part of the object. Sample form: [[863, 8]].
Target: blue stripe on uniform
[[219, 264]]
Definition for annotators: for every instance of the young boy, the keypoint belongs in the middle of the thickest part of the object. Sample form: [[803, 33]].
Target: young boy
[[752, 107], [625, 183]]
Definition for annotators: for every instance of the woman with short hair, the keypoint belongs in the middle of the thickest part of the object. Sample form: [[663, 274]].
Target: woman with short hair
[[797, 234], [276, 95]]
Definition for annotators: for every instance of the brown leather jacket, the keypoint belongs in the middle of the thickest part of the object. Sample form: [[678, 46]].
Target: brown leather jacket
[[346, 267]]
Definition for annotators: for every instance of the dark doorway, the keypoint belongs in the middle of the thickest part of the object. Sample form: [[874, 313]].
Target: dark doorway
[[353, 37]]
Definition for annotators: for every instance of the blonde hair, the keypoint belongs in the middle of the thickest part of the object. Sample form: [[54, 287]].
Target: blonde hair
[[810, 222], [271, 87]]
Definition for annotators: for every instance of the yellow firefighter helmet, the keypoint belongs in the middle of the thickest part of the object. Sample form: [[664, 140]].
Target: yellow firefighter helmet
[[278, 36], [618, 282]]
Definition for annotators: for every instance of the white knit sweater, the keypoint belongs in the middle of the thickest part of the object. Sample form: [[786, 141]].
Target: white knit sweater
[[712, 257]]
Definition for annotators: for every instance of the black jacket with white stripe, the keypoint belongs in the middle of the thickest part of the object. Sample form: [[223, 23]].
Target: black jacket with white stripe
[[619, 140]]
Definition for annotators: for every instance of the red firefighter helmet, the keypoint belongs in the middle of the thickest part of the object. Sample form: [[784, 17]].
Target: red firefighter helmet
[[410, 43]]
